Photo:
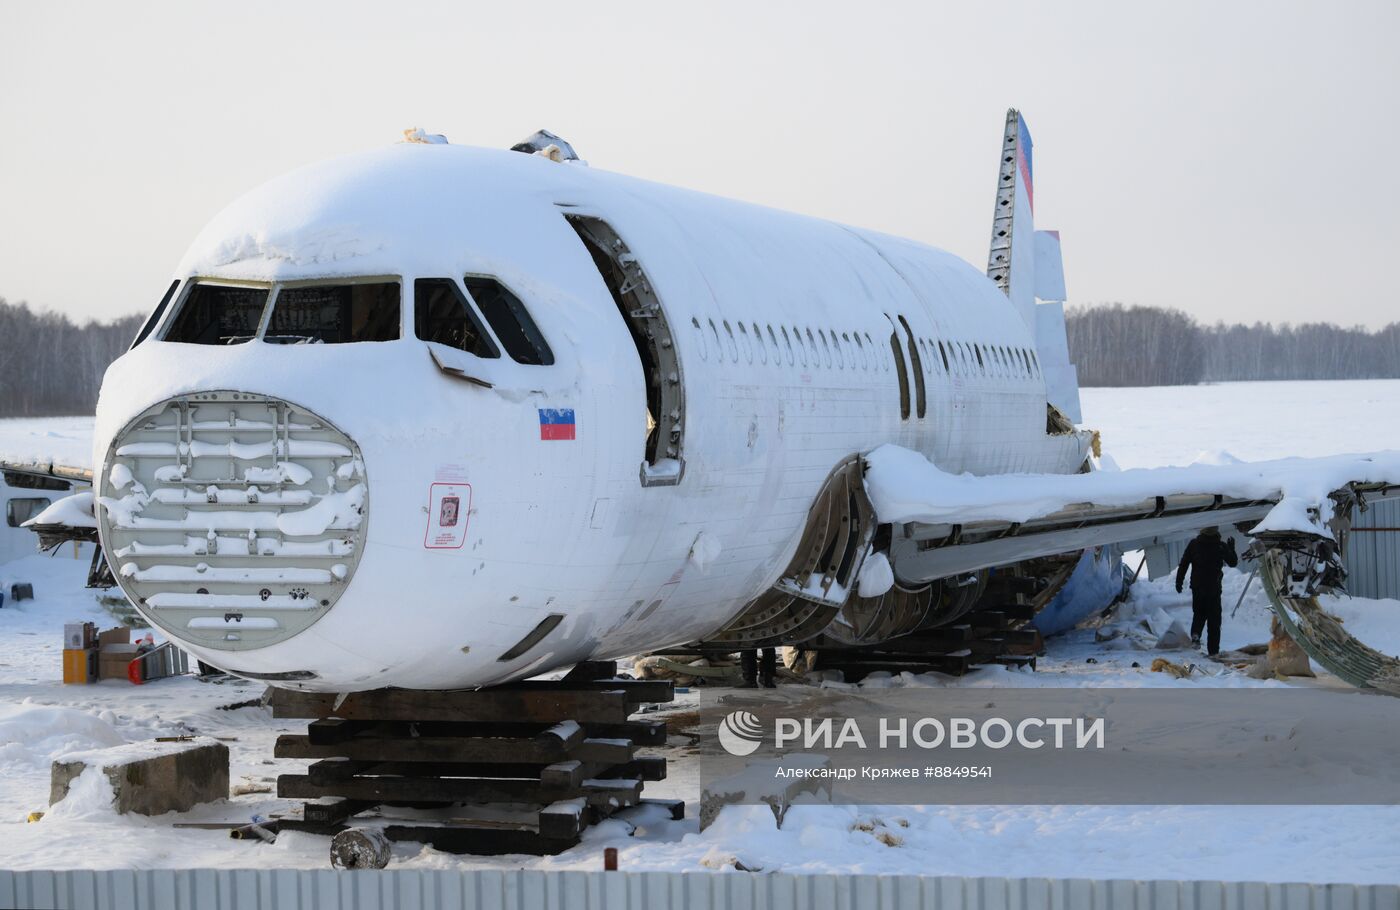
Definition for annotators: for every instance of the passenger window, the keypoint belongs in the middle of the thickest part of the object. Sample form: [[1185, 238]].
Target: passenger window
[[510, 321], [816, 354], [877, 360], [787, 342], [219, 314], [441, 314], [335, 314], [744, 343], [700, 338], [18, 511], [154, 319], [733, 348], [943, 352]]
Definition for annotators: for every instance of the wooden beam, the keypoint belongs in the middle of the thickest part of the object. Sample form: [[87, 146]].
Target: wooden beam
[[326, 730], [334, 813], [638, 691], [481, 841], [415, 789], [640, 732], [500, 705], [438, 749]]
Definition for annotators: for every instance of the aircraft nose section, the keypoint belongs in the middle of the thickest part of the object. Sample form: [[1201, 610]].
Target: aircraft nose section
[[232, 521]]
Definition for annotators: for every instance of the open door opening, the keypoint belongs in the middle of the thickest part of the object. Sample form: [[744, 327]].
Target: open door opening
[[641, 309]]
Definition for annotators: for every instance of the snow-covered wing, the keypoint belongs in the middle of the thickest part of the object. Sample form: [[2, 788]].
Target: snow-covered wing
[[951, 524]]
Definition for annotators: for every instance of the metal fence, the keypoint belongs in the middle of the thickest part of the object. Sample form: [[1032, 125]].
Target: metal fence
[[297, 889], [1373, 552]]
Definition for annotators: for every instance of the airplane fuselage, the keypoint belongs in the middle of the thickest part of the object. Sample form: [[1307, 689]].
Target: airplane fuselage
[[490, 495]]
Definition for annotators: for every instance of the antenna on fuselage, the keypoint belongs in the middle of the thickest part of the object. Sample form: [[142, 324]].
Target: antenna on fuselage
[[545, 143]]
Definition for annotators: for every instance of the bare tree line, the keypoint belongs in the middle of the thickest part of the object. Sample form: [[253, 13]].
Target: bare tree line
[[1117, 345], [50, 365]]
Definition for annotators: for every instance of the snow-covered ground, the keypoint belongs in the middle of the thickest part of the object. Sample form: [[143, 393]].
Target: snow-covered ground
[[64, 440], [41, 719]]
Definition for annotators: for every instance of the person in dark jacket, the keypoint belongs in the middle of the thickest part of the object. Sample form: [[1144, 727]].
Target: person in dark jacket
[[1205, 557], [758, 668]]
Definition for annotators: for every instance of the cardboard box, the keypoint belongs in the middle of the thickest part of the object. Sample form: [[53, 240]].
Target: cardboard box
[[117, 636], [79, 636], [80, 665], [113, 660]]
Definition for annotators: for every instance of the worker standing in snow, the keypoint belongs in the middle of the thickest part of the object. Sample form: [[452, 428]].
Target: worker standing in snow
[[1206, 556], [758, 667]]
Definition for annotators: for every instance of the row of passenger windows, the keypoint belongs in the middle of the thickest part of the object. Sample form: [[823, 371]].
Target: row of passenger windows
[[366, 311], [820, 348]]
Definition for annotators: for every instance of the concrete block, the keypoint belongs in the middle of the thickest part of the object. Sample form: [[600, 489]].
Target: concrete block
[[152, 778]]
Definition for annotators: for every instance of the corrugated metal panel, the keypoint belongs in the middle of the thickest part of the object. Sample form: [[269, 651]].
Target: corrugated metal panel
[[1373, 552], [292, 889]]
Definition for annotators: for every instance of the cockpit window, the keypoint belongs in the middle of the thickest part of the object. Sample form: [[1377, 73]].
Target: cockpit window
[[510, 321], [335, 313], [219, 314], [441, 314], [153, 319]]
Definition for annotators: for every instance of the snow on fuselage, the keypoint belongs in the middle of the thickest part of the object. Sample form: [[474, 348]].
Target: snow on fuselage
[[782, 328]]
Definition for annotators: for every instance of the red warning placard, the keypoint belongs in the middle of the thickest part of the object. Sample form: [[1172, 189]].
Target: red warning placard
[[449, 507]]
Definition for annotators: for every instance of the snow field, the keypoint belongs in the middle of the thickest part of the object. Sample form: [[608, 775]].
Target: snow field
[[41, 719]]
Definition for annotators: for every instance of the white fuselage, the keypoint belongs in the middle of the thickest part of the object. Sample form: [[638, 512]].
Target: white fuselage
[[782, 326]]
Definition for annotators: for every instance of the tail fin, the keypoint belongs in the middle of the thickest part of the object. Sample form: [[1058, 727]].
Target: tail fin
[[1026, 264]]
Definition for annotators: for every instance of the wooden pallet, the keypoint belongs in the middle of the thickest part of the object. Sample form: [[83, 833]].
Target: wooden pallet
[[992, 634], [559, 755]]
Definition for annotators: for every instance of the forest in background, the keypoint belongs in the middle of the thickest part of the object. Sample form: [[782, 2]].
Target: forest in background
[[51, 366], [1117, 345]]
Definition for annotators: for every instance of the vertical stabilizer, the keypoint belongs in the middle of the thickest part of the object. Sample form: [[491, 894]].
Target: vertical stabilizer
[[1012, 261], [1026, 264]]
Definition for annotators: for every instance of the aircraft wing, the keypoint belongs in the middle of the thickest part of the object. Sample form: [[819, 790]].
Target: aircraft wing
[[947, 524], [45, 467], [1297, 510]]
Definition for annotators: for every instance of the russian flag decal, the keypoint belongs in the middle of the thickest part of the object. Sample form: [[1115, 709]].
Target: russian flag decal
[[556, 423]]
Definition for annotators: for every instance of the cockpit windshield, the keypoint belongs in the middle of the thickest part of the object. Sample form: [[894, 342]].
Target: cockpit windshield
[[335, 314], [219, 314], [342, 312]]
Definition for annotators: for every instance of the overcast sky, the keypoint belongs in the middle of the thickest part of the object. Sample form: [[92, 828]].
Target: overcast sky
[[1236, 160]]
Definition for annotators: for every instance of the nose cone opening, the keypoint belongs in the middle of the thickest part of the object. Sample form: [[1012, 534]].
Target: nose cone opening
[[232, 521]]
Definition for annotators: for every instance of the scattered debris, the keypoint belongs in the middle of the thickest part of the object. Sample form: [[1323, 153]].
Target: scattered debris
[[1180, 671], [360, 848], [1284, 655], [250, 703]]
